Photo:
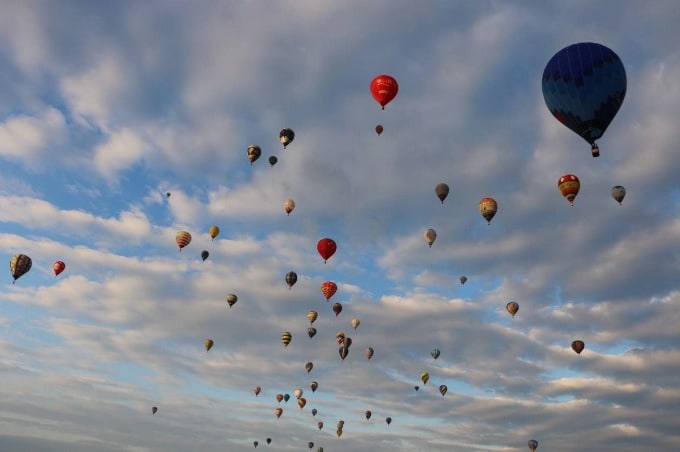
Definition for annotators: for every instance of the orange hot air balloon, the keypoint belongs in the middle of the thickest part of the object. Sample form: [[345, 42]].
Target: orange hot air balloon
[[58, 267], [208, 344], [379, 129], [183, 238], [569, 185], [488, 208], [512, 308], [301, 402], [278, 412], [279, 397], [328, 289], [326, 248], [578, 346], [384, 88]]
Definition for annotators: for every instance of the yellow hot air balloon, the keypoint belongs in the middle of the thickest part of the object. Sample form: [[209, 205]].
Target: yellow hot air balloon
[[312, 316], [286, 338], [430, 236], [488, 208], [425, 377], [208, 344], [355, 323], [214, 232]]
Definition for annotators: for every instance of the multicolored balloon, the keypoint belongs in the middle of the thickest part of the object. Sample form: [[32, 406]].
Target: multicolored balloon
[[569, 186], [182, 238], [328, 289], [254, 153], [424, 377], [286, 337], [443, 389], [512, 308], [488, 208], [312, 316], [286, 136], [231, 299]]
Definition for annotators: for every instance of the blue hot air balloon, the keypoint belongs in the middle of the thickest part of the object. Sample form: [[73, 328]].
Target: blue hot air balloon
[[583, 86]]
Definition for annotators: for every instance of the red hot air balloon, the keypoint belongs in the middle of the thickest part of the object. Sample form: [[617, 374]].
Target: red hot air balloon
[[328, 289], [326, 248], [59, 267], [569, 185], [183, 238], [384, 88], [379, 129]]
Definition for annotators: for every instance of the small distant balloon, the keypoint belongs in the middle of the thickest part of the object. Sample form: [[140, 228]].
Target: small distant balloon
[[533, 444], [463, 279], [269, 440], [231, 299], [337, 309], [286, 136], [368, 414], [289, 206], [442, 191], [326, 248], [435, 353], [204, 254], [384, 88], [488, 208], [416, 387], [311, 332], [167, 195], [424, 377], [254, 153], [314, 386], [291, 279], [312, 316], [182, 238], [286, 337], [343, 352], [379, 129], [279, 397], [309, 366], [273, 160], [214, 231], [388, 420], [208, 344], [512, 308], [356, 323], [154, 409], [368, 353], [618, 193], [578, 346], [286, 397], [58, 267], [314, 411], [318, 424], [328, 289], [310, 445], [257, 390], [443, 389], [278, 412], [301, 402], [569, 186], [255, 443]]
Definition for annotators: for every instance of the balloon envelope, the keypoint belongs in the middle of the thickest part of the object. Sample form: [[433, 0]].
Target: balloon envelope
[[463, 279], [214, 231], [533, 444], [425, 377], [286, 136], [328, 289], [326, 248], [311, 332], [254, 153], [182, 238], [368, 353], [379, 129], [208, 344], [273, 160], [291, 279], [309, 366], [312, 316], [289, 206], [512, 308], [442, 191], [578, 346], [337, 309], [154, 409], [58, 267], [435, 353], [569, 186], [286, 337], [488, 208], [443, 389], [618, 193], [231, 299], [430, 236], [584, 85], [384, 88], [204, 254]]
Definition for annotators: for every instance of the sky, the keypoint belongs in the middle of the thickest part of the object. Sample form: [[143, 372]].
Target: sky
[[107, 106]]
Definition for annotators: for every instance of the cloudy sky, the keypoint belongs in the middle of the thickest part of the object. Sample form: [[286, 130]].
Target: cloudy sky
[[107, 106]]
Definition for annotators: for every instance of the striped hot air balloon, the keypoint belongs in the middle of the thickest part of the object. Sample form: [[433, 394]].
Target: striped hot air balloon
[[286, 338], [328, 289], [183, 238]]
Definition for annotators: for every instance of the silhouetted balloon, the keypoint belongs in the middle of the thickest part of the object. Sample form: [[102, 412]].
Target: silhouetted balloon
[[311, 332], [269, 440], [254, 153], [337, 309], [286, 397], [286, 136], [204, 254], [255, 443], [533, 444], [154, 409], [618, 193], [257, 390], [231, 299], [318, 424], [273, 160], [578, 346], [416, 387], [314, 411], [368, 414], [388, 420], [583, 86], [310, 445], [291, 279], [379, 129], [442, 191], [343, 352], [463, 279], [314, 385], [309, 366], [443, 389]]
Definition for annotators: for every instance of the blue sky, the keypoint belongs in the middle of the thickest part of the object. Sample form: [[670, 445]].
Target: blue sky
[[106, 107]]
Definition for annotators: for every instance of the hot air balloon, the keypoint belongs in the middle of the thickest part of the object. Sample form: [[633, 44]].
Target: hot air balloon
[[208, 344], [273, 160], [231, 299], [340, 337], [319, 424], [379, 129], [424, 377], [368, 353], [286, 397], [341, 424], [278, 412], [488, 208], [430, 237], [343, 352], [286, 337], [337, 309], [569, 185], [311, 332], [255, 443], [578, 346], [298, 393], [314, 385], [338, 432], [286, 136], [618, 193], [435, 353], [512, 308], [388, 420], [257, 390], [356, 323], [443, 389], [309, 366], [183, 238], [312, 316], [214, 231], [326, 248], [416, 388], [204, 254], [279, 397], [384, 88], [58, 267], [291, 279], [301, 402], [584, 85], [328, 289], [254, 153], [289, 206], [533, 444], [368, 414], [269, 440], [442, 191], [347, 342], [310, 445], [167, 195], [314, 411], [463, 279], [154, 409]]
